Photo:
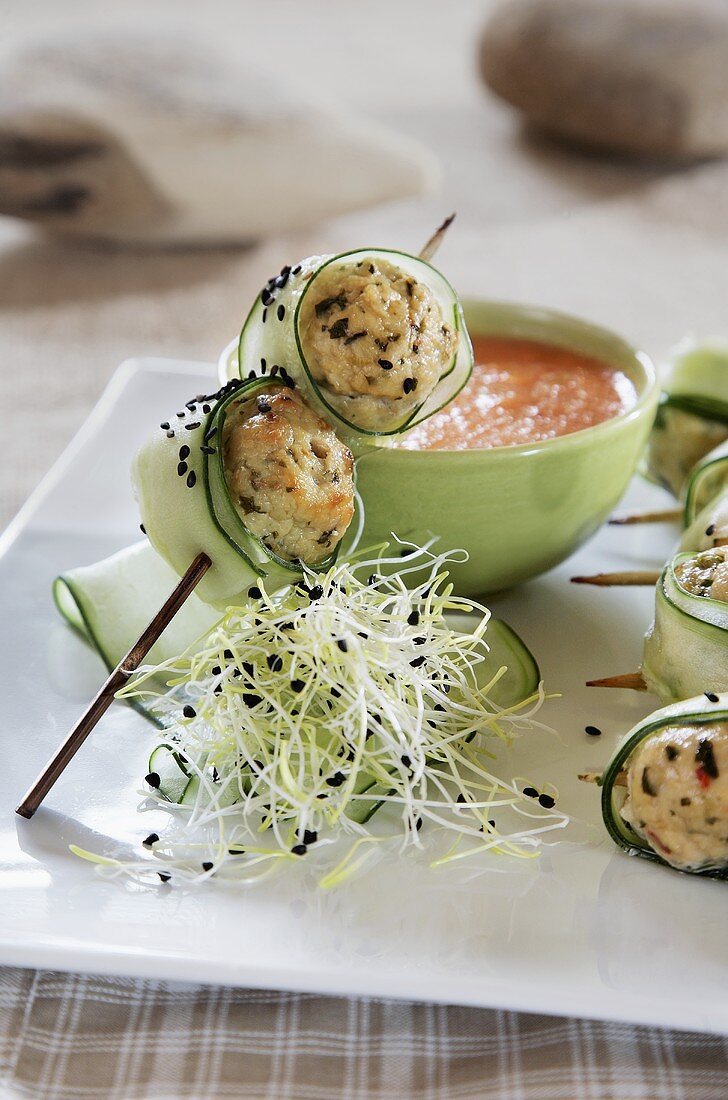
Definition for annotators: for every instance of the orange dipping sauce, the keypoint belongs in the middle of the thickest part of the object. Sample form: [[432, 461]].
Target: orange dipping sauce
[[522, 391]]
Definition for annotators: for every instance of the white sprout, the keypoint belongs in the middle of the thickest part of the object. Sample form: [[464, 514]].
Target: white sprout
[[346, 695]]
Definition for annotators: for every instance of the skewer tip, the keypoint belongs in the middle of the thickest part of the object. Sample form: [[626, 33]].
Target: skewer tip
[[633, 578], [635, 681], [623, 519]]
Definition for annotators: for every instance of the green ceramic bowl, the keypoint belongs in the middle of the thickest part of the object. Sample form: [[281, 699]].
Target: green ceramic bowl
[[518, 511]]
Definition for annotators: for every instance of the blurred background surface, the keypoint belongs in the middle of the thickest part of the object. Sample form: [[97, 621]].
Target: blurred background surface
[[639, 247]]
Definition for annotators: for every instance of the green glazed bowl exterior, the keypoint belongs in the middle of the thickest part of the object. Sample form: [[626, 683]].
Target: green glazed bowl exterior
[[517, 511]]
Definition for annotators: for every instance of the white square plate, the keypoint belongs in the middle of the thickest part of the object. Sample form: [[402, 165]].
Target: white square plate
[[582, 930]]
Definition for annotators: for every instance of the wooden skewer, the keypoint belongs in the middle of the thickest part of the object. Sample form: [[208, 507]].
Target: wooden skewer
[[611, 580], [435, 240], [105, 697], [668, 515], [596, 777], [633, 680]]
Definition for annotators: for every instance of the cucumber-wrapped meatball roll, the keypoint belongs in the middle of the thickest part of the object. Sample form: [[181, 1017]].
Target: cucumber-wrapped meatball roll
[[686, 649], [376, 339], [692, 417], [665, 792], [252, 477]]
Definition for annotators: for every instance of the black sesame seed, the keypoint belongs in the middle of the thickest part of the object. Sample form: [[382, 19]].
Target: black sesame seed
[[297, 685], [414, 618], [254, 592], [264, 316], [274, 662], [547, 801], [191, 479], [184, 452], [281, 312], [191, 427], [593, 731], [210, 432], [409, 385], [316, 592], [164, 425], [296, 270], [710, 530], [419, 641], [274, 370], [672, 752], [530, 792], [181, 468], [385, 364], [310, 836], [264, 406], [142, 528], [417, 662], [711, 696], [299, 849], [188, 711], [208, 450], [170, 434], [153, 779], [341, 643], [207, 865], [163, 876], [150, 840], [191, 405], [250, 699], [266, 297], [215, 670], [418, 824], [181, 415], [336, 779], [406, 761]]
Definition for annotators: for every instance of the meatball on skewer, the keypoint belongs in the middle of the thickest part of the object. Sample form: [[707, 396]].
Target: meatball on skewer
[[252, 477], [375, 339]]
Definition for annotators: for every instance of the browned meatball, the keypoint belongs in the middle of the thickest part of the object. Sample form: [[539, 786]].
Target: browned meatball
[[290, 478], [376, 339]]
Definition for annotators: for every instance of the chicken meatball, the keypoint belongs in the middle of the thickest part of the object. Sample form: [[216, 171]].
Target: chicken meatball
[[290, 478], [375, 340], [678, 795], [706, 574]]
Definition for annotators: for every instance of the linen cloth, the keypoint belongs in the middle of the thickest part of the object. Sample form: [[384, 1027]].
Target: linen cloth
[[67, 1037], [640, 251]]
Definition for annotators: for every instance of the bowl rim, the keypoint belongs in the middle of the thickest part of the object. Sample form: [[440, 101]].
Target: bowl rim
[[648, 388]]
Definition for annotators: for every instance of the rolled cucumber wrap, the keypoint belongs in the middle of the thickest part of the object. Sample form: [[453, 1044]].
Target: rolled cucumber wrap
[[252, 477], [692, 417], [664, 790], [375, 338], [707, 479], [686, 649]]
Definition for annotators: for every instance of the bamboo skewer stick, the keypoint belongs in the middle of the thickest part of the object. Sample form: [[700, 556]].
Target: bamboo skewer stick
[[105, 697], [633, 680], [620, 779], [431, 247], [635, 577], [667, 515]]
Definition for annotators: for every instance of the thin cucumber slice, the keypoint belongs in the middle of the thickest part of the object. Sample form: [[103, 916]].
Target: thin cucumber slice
[[686, 648], [271, 335], [693, 711], [186, 507], [707, 479], [110, 602], [174, 780]]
